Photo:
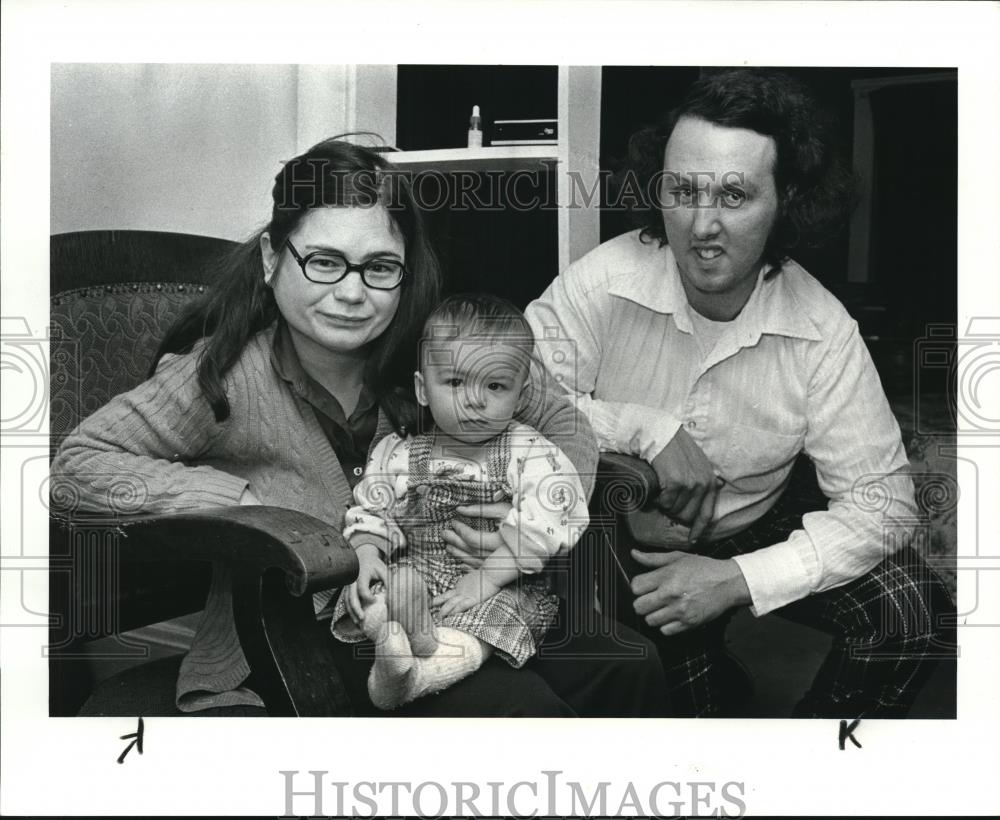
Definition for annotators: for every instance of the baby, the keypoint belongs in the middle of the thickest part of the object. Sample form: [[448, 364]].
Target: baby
[[433, 619]]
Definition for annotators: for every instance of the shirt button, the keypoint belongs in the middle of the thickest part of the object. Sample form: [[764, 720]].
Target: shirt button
[[358, 470], [691, 425]]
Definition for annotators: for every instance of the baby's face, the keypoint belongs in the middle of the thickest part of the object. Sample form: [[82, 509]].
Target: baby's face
[[472, 386]]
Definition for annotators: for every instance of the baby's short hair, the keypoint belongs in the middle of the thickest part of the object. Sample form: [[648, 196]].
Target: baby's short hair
[[479, 316]]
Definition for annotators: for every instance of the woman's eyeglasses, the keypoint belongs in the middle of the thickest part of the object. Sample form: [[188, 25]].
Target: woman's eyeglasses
[[328, 268]]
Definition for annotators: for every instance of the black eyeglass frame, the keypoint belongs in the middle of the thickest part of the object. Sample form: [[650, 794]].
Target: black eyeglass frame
[[348, 270]]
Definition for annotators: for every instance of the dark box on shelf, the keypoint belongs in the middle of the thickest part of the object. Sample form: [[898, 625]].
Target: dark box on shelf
[[525, 132]]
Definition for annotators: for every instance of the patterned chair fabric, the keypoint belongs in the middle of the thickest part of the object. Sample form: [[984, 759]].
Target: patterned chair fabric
[[104, 334], [103, 340]]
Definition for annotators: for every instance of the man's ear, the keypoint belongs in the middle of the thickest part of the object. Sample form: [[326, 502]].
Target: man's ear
[[420, 388], [269, 258]]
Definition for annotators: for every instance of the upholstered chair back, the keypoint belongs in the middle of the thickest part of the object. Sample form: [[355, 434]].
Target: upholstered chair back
[[113, 296]]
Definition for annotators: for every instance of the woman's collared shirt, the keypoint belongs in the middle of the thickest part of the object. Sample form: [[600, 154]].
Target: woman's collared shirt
[[350, 437]]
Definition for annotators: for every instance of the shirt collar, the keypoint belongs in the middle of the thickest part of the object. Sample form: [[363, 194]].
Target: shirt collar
[[289, 368], [772, 308], [285, 360], [283, 357]]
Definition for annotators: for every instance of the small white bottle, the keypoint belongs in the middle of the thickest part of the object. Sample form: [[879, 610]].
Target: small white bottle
[[475, 129]]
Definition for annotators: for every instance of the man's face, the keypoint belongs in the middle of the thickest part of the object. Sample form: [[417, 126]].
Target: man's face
[[719, 206]]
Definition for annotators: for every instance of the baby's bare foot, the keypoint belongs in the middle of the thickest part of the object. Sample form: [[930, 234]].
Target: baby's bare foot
[[409, 604]]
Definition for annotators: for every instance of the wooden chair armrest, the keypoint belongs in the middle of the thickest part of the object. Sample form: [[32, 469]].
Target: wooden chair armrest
[[624, 484], [311, 554], [272, 552]]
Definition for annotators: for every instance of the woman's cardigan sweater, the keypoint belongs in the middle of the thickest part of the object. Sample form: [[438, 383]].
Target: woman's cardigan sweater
[[163, 438]]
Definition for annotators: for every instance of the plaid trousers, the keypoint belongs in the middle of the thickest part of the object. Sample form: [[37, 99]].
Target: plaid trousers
[[890, 628]]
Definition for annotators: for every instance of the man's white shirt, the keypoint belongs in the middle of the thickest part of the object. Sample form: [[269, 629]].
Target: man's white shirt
[[789, 373]]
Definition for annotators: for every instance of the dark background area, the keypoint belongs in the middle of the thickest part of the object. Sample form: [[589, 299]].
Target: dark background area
[[913, 255], [507, 251], [912, 283], [434, 102], [510, 252]]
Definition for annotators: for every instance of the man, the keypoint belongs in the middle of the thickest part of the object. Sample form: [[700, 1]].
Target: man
[[700, 346]]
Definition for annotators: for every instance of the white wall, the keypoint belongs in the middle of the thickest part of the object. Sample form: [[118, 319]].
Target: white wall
[[187, 148]]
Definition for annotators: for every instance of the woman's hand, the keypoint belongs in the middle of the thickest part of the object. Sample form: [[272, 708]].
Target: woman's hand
[[471, 589], [371, 568], [472, 546]]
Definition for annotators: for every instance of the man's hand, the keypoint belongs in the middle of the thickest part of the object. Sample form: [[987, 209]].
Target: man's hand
[[371, 568], [472, 546], [471, 589], [688, 484], [686, 590]]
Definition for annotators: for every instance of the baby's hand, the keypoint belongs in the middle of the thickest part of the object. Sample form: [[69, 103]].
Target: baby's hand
[[473, 588], [371, 569]]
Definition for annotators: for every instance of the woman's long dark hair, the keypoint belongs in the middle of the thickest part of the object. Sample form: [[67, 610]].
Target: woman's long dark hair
[[240, 305]]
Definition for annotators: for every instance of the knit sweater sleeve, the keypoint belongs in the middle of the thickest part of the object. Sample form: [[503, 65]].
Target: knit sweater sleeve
[[379, 495], [136, 454], [549, 411]]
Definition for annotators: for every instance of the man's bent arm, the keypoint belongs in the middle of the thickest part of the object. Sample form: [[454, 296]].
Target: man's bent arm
[[574, 311], [861, 465]]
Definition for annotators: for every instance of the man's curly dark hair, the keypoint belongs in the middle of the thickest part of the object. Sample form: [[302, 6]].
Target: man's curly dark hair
[[815, 188]]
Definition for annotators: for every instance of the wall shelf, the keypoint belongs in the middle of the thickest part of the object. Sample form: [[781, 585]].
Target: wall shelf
[[500, 158], [375, 105]]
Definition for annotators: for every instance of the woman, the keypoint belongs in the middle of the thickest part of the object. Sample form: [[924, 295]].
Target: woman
[[273, 392]]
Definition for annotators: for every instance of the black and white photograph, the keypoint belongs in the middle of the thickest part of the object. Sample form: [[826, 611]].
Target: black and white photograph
[[763, 454], [663, 400]]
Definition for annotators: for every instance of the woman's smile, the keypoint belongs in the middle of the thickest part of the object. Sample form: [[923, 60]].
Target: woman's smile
[[349, 321]]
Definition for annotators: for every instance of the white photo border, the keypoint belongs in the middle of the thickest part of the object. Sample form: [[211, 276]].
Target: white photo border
[[67, 766]]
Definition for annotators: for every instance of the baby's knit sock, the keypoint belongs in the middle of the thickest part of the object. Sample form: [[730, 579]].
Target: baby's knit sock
[[458, 655], [374, 617], [408, 603], [388, 681]]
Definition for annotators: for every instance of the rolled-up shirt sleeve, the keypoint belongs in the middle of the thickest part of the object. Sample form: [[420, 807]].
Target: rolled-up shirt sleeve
[[569, 321]]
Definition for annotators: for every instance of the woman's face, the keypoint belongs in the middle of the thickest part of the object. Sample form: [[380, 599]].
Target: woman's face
[[346, 316]]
